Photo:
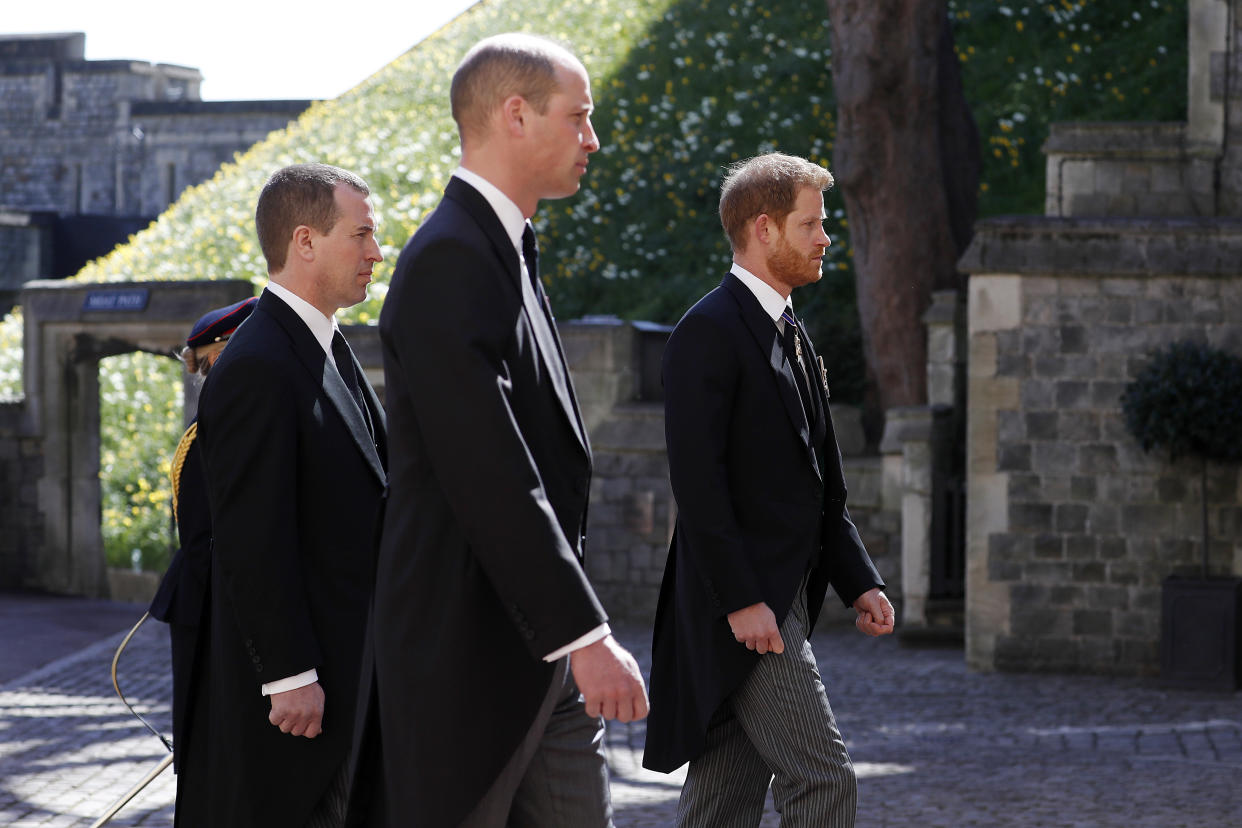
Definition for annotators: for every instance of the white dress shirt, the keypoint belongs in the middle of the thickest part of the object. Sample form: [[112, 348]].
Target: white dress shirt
[[514, 223], [773, 303], [321, 327]]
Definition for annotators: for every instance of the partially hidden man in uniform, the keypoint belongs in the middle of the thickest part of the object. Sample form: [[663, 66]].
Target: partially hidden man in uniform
[[762, 528], [182, 598], [493, 659], [293, 444]]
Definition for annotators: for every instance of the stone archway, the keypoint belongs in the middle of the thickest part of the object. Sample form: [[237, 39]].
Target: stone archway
[[52, 540]]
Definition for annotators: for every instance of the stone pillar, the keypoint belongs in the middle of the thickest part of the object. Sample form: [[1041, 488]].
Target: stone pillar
[[1225, 73], [1208, 36], [946, 350], [929, 439], [908, 442], [994, 306]]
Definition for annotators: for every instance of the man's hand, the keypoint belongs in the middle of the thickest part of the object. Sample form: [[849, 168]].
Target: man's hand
[[298, 712], [609, 680], [875, 613], [755, 626]]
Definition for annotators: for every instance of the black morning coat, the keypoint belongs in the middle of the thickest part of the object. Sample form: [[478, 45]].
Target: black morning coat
[[181, 602], [294, 480], [480, 568], [760, 502]]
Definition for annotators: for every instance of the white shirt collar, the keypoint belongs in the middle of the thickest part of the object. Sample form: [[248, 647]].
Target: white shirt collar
[[772, 302], [510, 214], [321, 327]]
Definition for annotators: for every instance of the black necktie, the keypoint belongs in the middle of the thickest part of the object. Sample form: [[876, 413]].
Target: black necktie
[[546, 335], [344, 359], [530, 252]]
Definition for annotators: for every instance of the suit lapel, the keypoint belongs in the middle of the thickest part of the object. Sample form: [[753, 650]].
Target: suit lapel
[[825, 432], [544, 325], [377, 449], [767, 338], [379, 419], [323, 372], [538, 315]]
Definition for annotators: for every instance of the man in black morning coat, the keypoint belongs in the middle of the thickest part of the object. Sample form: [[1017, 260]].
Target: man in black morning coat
[[761, 531], [185, 590], [484, 620], [293, 443]]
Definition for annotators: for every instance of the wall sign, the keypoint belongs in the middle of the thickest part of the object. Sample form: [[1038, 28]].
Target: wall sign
[[119, 299]]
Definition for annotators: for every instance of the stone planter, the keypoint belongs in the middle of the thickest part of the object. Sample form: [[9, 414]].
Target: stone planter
[[1201, 633]]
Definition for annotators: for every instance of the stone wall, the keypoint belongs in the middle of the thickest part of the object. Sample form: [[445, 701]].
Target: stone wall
[[185, 142], [66, 131], [105, 138], [631, 510], [21, 465], [875, 508], [1149, 169], [1163, 169], [112, 146], [1071, 527]]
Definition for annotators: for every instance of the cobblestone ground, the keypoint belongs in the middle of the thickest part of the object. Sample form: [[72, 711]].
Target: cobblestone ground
[[934, 745]]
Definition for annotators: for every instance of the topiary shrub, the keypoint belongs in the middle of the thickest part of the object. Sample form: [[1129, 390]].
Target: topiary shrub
[[1187, 400]]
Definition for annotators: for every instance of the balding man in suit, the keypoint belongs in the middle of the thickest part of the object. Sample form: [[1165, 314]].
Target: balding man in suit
[[494, 664]]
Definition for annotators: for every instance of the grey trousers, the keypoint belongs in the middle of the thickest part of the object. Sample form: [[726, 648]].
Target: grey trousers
[[558, 777], [330, 811], [777, 729]]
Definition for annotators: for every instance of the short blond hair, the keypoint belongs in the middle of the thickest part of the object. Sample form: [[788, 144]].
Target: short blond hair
[[499, 67], [765, 184]]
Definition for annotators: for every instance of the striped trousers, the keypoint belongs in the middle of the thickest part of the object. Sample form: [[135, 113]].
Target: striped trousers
[[777, 729], [558, 776], [330, 810]]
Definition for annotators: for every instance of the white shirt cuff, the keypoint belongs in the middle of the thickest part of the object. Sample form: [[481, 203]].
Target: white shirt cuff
[[292, 683], [594, 635]]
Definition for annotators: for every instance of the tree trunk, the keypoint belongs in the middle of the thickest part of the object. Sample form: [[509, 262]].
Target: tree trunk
[[907, 161]]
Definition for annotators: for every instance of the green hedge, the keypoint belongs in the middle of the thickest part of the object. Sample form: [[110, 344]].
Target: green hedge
[[682, 88]]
